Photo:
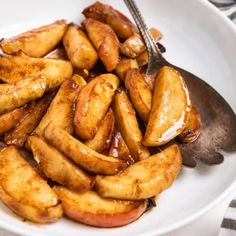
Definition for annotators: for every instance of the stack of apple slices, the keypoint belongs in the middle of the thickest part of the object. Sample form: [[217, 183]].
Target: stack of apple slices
[[79, 119]]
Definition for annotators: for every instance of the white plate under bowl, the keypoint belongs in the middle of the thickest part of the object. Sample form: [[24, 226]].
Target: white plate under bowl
[[199, 39]]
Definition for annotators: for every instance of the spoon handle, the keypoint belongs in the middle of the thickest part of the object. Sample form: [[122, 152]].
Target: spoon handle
[[154, 55]]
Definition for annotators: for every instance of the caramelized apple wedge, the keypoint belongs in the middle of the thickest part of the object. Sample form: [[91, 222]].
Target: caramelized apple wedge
[[79, 49], [10, 120], [134, 46], [61, 110], [92, 104], [119, 149], [15, 68], [142, 59], [105, 41], [26, 126], [91, 209], [37, 42], [127, 124], [81, 154], [156, 34], [139, 92], [59, 54], [57, 167], [170, 107], [143, 179], [122, 26], [19, 189], [123, 66], [193, 127], [102, 139], [21, 92]]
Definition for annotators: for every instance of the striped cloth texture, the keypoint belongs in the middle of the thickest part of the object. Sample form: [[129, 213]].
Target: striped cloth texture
[[228, 226]]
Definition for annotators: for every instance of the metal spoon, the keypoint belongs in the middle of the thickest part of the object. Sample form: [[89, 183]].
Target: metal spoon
[[218, 119]]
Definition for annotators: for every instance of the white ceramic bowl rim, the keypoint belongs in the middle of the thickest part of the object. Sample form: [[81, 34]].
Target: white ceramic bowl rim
[[21, 230]]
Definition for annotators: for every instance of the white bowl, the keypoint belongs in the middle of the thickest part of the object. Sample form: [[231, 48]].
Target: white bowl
[[198, 38]]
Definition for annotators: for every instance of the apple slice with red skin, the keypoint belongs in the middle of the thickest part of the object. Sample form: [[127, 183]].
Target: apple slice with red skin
[[91, 209]]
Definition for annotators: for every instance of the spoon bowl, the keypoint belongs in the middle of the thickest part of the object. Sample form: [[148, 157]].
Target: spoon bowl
[[218, 124]]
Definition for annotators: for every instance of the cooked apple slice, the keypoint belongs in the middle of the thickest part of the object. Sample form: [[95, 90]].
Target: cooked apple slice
[[119, 149], [10, 120], [25, 127], [134, 45], [102, 139], [105, 41], [24, 191], [139, 92], [91, 209], [59, 53], [193, 127], [81, 154], [122, 26], [124, 65], [142, 59], [156, 34], [31, 213], [143, 179], [79, 81], [109, 52], [15, 68], [92, 104], [21, 92], [127, 124], [37, 42], [79, 49], [61, 110], [170, 107], [57, 167], [28, 156]]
